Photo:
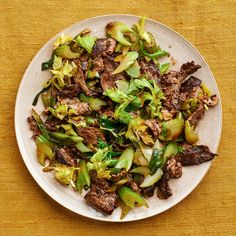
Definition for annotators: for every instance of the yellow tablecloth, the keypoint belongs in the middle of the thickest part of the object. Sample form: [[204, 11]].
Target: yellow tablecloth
[[25, 26]]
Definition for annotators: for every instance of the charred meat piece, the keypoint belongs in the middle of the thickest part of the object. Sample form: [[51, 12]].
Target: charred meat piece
[[90, 135], [171, 84], [66, 156], [103, 47], [196, 116], [187, 69], [79, 78], [189, 84], [148, 191], [70, 91], [173, 168], [154, 126], [150, 69], [195, 155], [97, 65], [118, 176], [107, 78], [98, 198], [52, 123], [164, 188], [79, 107], [33, 126], [210, 101]]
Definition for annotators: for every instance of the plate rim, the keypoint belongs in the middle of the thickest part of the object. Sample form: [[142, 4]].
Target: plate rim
[[34, 173]]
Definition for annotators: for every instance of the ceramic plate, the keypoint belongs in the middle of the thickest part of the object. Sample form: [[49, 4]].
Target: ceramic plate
[[209, 129]]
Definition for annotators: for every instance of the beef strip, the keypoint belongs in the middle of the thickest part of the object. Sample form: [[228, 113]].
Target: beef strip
[[189, 84], [79, 78], [97, 65], [171, 83], [52, 123], [103, 47], [195, 155], [196, 116], [107, 79], [98, 198], [154, 126], [79, 107], [90, 134], [66, 156], [149, 68], [172, 169], [70, 91], [148, 191], [33, 126]]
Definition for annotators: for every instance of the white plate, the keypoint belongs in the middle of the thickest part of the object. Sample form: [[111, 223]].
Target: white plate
[[209, 129]]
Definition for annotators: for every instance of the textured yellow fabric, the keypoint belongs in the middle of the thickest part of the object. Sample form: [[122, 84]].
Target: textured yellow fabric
[[25, 26]]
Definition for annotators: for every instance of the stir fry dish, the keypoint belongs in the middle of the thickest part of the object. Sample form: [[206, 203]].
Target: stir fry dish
[[118, 124]]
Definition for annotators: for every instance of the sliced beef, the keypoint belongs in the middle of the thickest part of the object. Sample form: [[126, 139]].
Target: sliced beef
[[79, 107], [148, 191], [98, 198], [107, 79], [189, 84], [52, 123], [196, 116], [79, 78], [90, 135], [33, 126], [103, 47], [149, 68], [118, 176], [187, 69], [154, 126], [66, 156], [164, 188], [172, 169], [70, 91], [195, 155], [97, 65], [171, 84]]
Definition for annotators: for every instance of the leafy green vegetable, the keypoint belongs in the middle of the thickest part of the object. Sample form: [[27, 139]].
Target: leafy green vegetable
[[128, 60], [48, 64], [133, 70], [63, 39], [163, 68], [126, 159], [35, 101], [116, 95], [131, 198], [98, 162], [64, 174], [64, 51], [122, 85], [83, 178], [140, 29], [152, 179], [117, 30], [95, 103], [87, 42], [121, 114]]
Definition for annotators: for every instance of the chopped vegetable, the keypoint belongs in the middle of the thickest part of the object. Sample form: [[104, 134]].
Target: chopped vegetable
[[83, 178], [156, 160], [87, 42], [190, 135], [141, 170], [117, 30], [170, 150], [126, 159], [152, 179], [94, 103], [131, 198], [64, 174], [128, 60], [64, 51]]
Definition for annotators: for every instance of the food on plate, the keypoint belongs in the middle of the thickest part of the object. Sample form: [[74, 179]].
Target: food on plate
[[117, 122]]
